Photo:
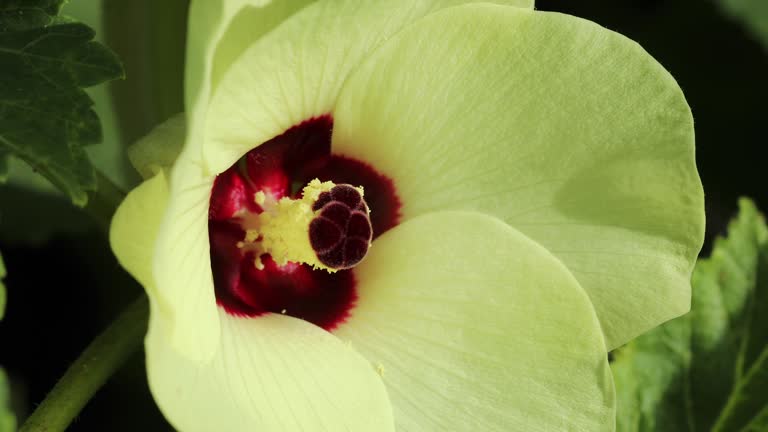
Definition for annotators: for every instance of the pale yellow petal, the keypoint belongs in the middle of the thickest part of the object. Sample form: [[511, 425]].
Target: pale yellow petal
[[295, 72], [474, 327], [565, 130], [272, 373]]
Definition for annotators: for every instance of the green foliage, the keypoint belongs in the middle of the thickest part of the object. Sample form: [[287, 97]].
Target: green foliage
[[17, 15], [7, 420], [707, 370], [46, 118], [752, 13], [747, 406]]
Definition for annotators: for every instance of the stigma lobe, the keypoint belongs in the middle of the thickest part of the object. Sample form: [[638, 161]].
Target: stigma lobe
[[341, 232]]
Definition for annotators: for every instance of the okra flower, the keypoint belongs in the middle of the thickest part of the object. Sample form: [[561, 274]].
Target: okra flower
[[527, 180]]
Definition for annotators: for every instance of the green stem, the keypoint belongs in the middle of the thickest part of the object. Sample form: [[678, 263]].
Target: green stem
[[91, 370], [103, 202]]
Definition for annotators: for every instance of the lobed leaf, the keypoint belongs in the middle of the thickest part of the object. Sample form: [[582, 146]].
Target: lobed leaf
[[748, 403], [706, 370], [16, 15], [46, 118]]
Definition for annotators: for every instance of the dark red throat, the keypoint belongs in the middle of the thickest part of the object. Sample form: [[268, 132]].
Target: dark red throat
[[280, 167]]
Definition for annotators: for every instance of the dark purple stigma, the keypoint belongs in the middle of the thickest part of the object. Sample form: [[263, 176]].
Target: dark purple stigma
[[341, 233]]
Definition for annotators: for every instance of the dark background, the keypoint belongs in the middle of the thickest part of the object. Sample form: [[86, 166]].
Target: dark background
[[56, 284]]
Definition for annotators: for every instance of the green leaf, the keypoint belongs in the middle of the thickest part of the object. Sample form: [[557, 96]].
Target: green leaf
[[46, 118], [747, 405], [723, 287], [753, 14], [26, 14], [754, 345], [109, 156], [7, 419], [707, 368], [652, 388]]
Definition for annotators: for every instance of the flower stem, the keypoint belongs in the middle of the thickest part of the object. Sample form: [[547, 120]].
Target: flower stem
[[91, 370]]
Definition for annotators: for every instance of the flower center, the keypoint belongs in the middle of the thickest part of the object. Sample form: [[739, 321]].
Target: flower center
[[278, 247], [328, 228]]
